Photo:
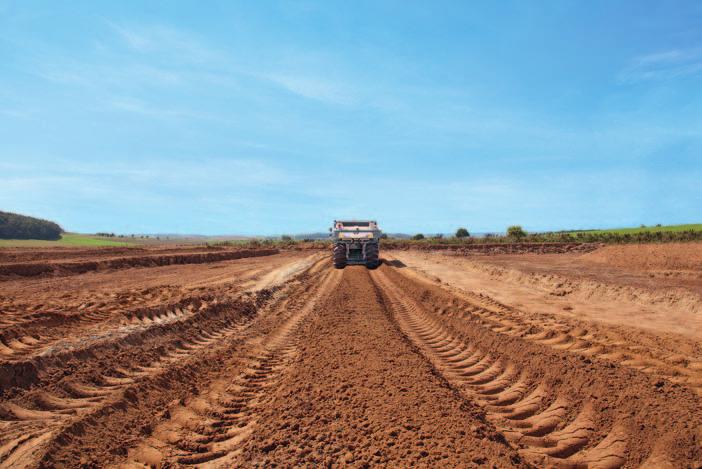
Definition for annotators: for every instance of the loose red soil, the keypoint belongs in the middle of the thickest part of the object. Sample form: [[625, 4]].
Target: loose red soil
[[359, 393], [281, 360]]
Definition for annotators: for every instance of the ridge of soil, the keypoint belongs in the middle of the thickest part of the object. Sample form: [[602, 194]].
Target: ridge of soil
[[485, 249], [651, 257], [37, 268]]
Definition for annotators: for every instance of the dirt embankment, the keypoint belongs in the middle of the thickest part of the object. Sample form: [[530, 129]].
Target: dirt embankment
[[8, 255], [590, 289], [571, 286], [650, 257], [32, 269], [467, 249]]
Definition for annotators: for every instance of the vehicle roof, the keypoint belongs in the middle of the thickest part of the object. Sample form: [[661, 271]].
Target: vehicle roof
[[348, 220]]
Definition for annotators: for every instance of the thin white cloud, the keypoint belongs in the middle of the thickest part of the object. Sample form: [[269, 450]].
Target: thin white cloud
[[222, 172], [207, 174], [166, 40], [165, 57], [100, 75], [141, 58], [143, 108], [132, 105], [663, 65], [315, 88], [133, 39]]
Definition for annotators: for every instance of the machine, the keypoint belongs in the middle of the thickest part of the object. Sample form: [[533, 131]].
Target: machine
[[355, 242]]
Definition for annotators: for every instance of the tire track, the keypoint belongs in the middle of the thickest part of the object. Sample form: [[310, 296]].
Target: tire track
[[27, 350], [47, 333], [66, 313], [508, 395], [157, 343], [209, 430], [360, 395], [30, 364], [587, 339], [26, 431], [636, 351], [544, 421]]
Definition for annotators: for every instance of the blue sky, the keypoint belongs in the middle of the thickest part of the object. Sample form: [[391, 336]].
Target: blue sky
[[272, 117]]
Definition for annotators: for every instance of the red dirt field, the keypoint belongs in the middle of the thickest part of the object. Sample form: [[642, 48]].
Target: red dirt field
[[574, 360]]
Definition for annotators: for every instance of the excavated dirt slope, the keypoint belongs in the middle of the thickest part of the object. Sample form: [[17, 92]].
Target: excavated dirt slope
[[68, 266], [284, 361], [650, 257]]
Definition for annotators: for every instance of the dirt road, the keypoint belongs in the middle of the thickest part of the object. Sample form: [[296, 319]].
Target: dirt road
[[285, 361]]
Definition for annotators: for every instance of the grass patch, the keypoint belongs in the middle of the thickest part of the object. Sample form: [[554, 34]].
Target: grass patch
[[645, 229], [67, 240]]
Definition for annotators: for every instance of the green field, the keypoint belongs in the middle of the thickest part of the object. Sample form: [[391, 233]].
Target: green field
[[673, 228], [67, 240]]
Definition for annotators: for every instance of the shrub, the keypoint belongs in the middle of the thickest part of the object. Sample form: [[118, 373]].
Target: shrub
[[462, 233], [516, 232], [418, 236]]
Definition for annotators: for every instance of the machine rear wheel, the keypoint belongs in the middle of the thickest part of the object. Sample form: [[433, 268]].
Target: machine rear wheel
[[372, 256], [339, 256]]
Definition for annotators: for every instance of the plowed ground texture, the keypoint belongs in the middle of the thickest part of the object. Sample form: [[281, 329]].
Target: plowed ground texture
[[283, 361]]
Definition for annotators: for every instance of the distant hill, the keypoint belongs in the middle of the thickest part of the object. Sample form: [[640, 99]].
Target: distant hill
[[318, 235], [399, 235], [15, 226]]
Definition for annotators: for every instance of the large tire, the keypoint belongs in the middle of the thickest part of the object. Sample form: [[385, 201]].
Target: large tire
[[372, 256], [339, 255]]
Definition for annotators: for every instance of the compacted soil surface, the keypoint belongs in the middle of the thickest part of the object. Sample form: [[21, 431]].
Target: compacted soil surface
[[277, 359]]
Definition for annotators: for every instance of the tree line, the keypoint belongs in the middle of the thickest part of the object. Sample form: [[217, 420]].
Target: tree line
[[516, 233], [15, 226]]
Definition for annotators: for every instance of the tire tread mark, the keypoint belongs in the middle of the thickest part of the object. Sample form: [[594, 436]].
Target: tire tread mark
[[520, 410]]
